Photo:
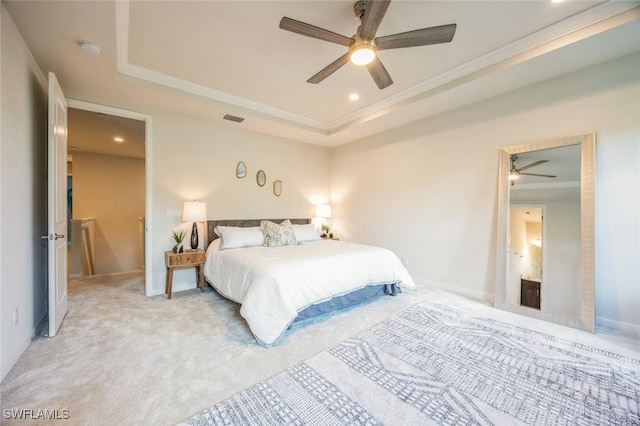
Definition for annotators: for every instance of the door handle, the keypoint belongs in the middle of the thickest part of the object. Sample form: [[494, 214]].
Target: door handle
[[52, 236]]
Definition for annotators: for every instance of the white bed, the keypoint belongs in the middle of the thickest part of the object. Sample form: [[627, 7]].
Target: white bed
[[274, 284]]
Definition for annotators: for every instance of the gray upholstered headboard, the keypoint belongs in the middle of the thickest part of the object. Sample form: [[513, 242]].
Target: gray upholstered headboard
[[244, 223]]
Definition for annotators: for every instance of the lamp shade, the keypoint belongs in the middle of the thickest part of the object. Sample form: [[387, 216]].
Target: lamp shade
[[194, 211], [323, 210]]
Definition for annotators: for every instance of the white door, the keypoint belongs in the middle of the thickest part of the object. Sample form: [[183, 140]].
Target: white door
[[57, 205]]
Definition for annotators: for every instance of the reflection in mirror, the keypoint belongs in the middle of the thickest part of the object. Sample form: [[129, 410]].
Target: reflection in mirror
[[524, 265], [241, 170], [545, 258], [261, 178]]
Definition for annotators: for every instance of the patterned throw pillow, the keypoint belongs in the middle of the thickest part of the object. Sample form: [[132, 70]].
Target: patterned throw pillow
[[278, 235]]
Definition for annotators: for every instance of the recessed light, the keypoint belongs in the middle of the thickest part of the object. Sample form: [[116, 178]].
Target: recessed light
[[118, 139], [354, 97]]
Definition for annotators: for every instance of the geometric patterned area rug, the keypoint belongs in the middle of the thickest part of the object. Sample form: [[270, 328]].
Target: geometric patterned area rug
[[433, 364]]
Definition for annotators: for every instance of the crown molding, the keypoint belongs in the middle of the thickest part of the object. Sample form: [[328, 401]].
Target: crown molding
[[546, 185], [602, 17]]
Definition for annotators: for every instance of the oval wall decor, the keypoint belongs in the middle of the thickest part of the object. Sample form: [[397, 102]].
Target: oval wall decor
[[261, 178], [277, 187]]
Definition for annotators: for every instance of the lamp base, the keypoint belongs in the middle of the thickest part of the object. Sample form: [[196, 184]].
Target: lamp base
[[194, 236]]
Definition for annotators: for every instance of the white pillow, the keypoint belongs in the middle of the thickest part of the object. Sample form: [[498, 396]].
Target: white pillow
[[236, 237], [306, 233]]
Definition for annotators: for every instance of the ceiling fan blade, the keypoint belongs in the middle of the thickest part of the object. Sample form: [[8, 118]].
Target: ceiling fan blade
[[535, 174], [379, 74], [421, 37], [528, 166], [373, 14], [329, 69], [309, 30]]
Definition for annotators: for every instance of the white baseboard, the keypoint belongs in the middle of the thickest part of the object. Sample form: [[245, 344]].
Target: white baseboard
[[176, 287], [490, 297], [463, 291], [618, 326]]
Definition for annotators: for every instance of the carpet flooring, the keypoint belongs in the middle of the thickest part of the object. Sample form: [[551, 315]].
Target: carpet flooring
[[123, 358], [432, 364]]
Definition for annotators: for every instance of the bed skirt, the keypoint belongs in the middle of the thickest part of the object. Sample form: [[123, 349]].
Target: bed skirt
[[357, 297]]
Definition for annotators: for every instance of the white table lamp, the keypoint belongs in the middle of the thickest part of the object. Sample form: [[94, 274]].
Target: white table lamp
[[323, 210]]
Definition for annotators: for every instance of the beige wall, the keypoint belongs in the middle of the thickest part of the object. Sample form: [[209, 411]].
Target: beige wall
[[110, 189], [22, 194], [195, 159], [428, 190]]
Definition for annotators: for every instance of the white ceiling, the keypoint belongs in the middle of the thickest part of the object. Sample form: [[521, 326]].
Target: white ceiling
[[207, 58]]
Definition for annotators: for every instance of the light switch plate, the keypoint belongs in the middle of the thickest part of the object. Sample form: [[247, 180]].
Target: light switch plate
[[173, 212]]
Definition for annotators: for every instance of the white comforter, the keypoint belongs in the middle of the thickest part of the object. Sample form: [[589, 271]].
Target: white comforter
[[274, 283]]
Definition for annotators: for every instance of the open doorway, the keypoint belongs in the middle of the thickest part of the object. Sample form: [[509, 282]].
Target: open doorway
[[107, 189], [525, 265]]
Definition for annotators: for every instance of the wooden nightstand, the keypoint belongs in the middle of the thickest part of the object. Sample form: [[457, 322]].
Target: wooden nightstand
[[187, 259]]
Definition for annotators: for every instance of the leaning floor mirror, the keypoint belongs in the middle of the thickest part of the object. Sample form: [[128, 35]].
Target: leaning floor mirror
[[546, 231]]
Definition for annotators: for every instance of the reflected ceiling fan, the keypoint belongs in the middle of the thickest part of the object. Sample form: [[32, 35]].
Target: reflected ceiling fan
[[515, 172], [363, 46]]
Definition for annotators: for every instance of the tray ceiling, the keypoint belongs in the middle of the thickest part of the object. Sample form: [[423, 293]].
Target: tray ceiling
[[211, 58]]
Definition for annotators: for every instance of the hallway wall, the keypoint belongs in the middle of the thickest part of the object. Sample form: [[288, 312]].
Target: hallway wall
[[110, 189]]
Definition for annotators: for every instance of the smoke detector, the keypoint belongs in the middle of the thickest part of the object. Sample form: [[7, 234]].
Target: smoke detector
[[90, 48]]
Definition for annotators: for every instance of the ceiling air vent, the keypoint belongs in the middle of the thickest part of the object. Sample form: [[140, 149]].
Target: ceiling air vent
[[232, 118]]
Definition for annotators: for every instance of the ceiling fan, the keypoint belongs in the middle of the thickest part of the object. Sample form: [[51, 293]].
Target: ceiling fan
[[363, 46], [515, 172]]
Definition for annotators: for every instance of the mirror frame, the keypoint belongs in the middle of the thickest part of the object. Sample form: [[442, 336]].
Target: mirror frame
[[586, 321]]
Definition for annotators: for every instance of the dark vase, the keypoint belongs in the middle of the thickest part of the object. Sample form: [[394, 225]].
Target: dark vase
[[194, 236]]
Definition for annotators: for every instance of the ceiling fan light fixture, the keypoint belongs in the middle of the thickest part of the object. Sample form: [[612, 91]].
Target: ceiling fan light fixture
[[364, 43], [362, 54]]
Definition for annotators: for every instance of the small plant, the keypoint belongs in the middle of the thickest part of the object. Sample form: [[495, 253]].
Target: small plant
[[178, 237], [326, 231]]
